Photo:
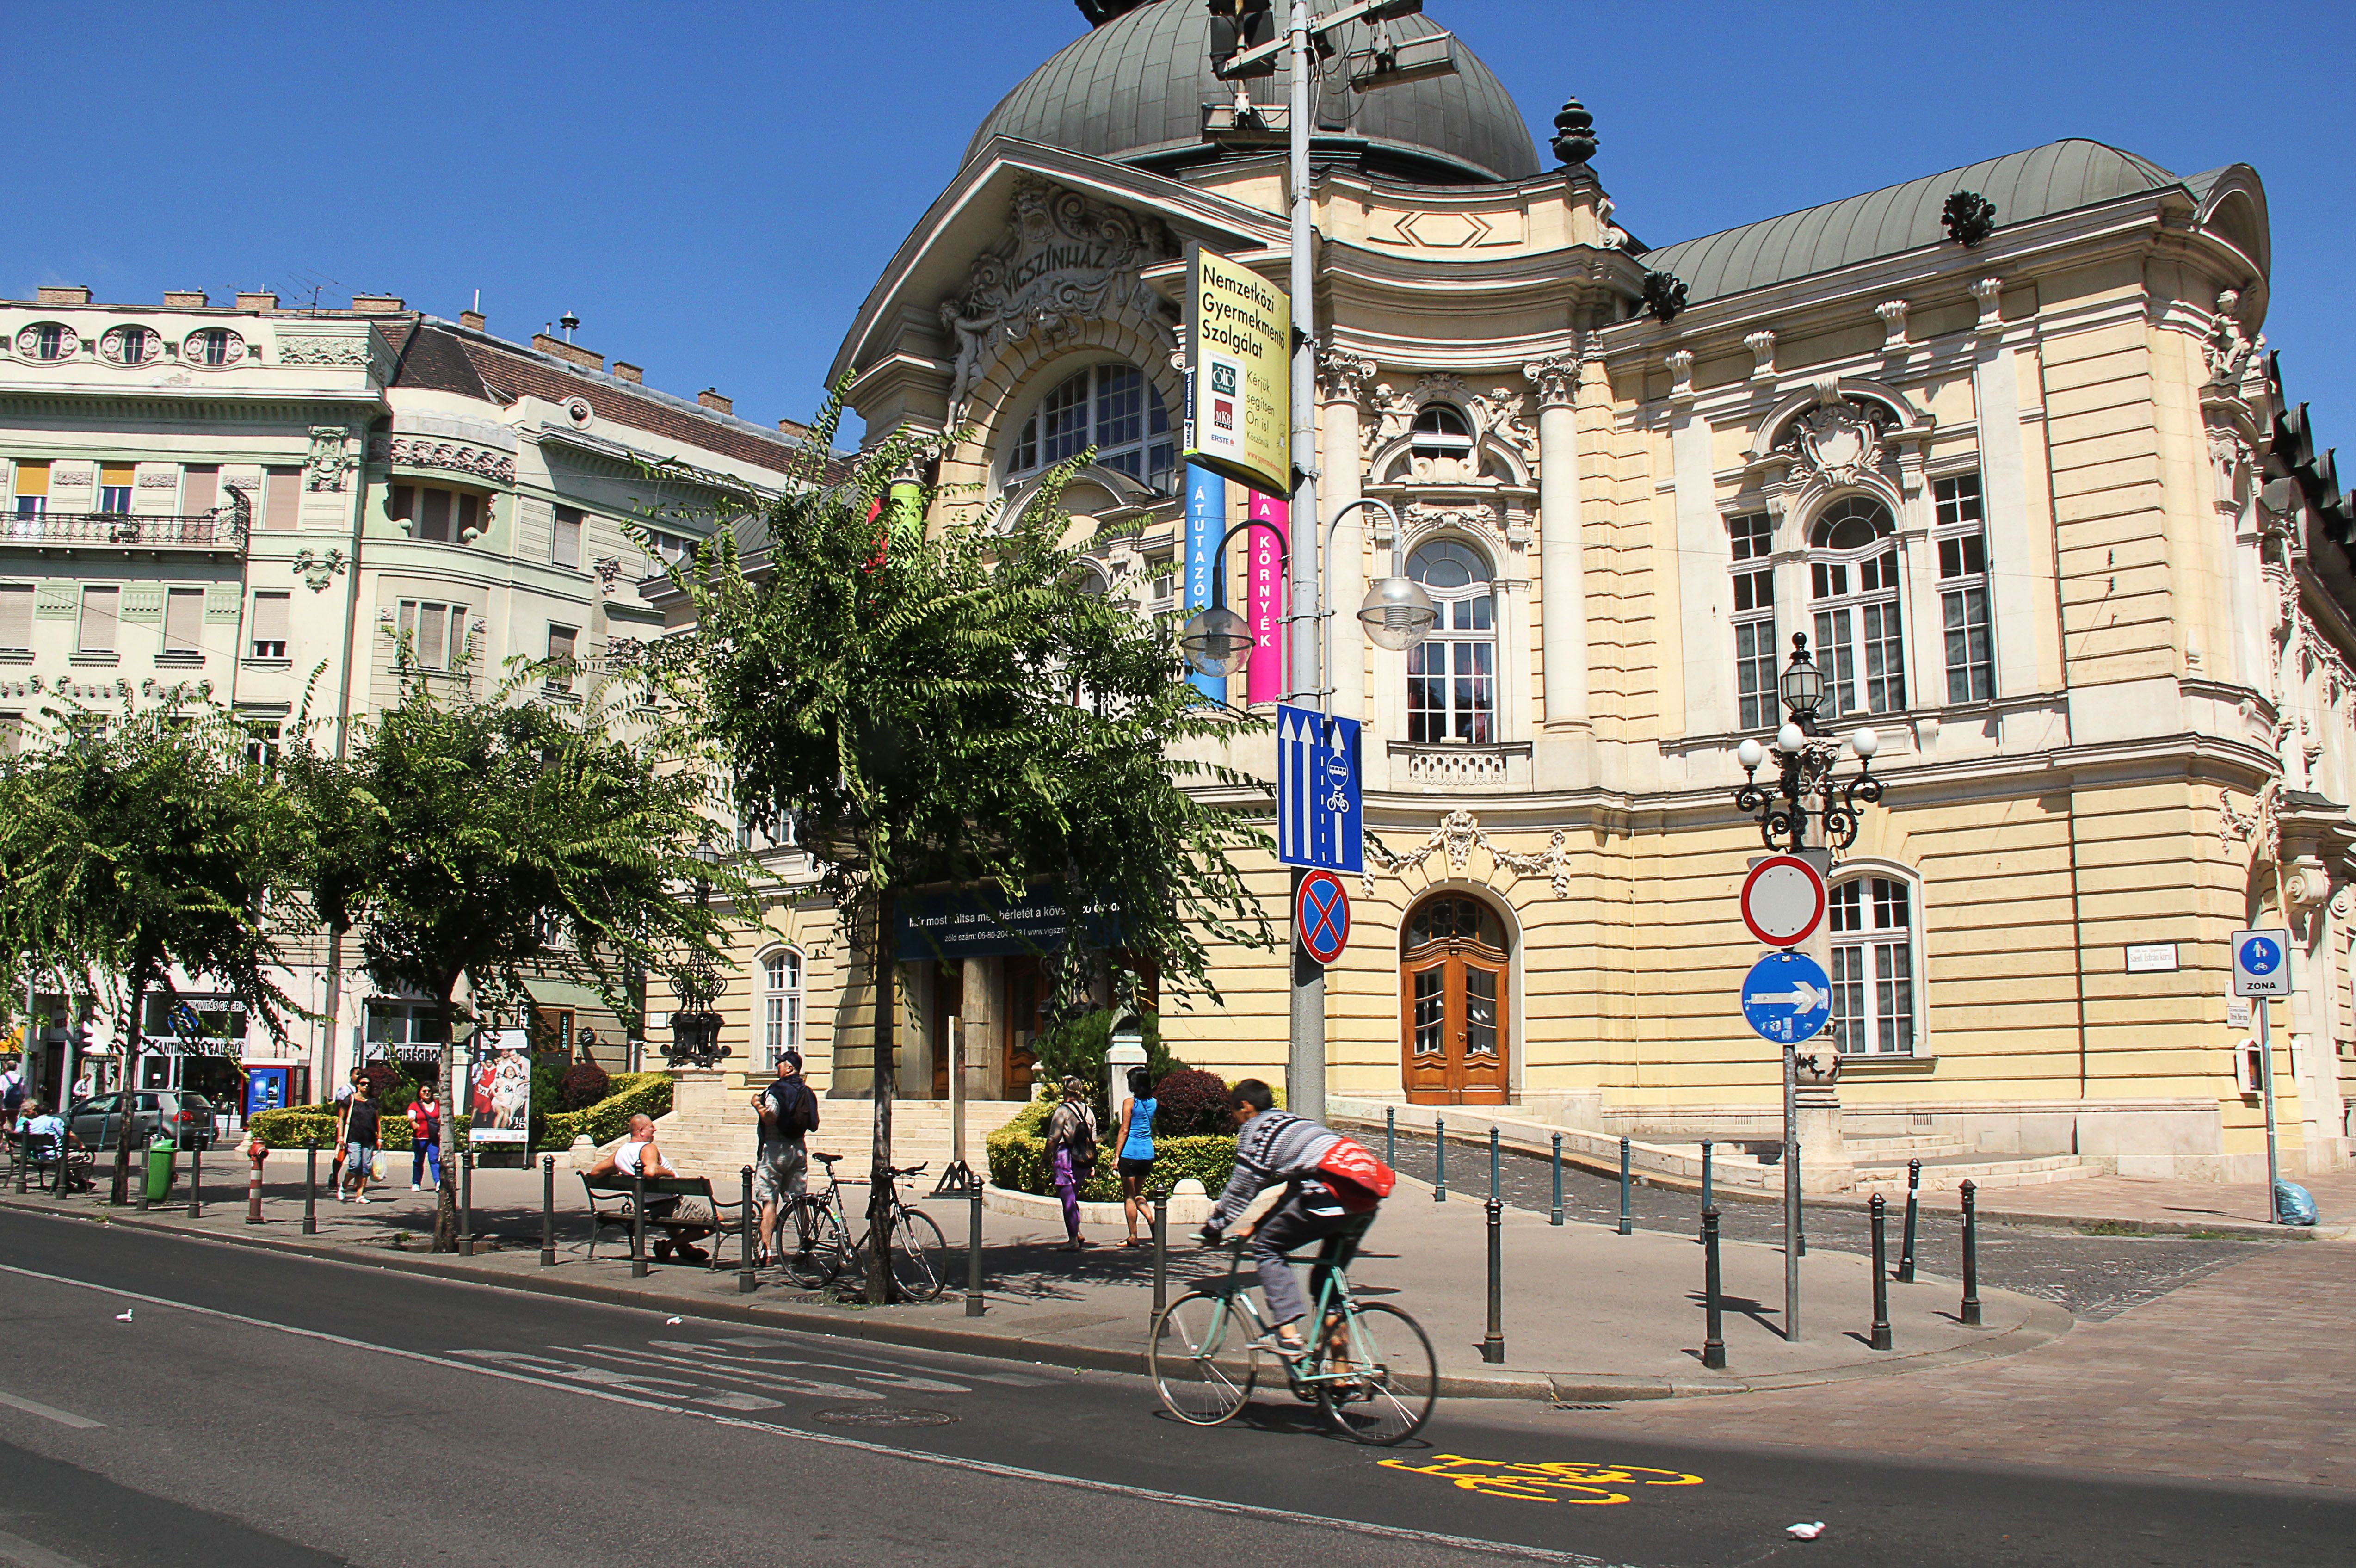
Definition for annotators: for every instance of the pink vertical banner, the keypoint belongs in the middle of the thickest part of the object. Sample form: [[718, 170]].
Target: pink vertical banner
[[1264, 682]]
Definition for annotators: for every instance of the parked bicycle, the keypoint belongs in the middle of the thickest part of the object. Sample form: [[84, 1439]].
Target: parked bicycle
[[824, 1251], [1369, 1366]]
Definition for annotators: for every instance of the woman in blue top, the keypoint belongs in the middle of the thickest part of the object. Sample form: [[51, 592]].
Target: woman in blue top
[[1136, 1149]]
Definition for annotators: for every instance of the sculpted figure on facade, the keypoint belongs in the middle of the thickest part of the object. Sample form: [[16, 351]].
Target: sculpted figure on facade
[[1068, 260], [1838, 441]]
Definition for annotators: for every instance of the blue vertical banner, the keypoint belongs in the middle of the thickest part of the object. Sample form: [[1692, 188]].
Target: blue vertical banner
[[1207, 520]]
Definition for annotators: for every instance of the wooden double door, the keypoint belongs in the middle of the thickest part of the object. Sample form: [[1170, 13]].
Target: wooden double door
[[1455, 1004]]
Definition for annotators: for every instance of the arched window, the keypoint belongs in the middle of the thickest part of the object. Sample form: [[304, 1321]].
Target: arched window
[[1441, 431], [1853, 571], [781, 1005], [1451, 676], [1873, 967], [1110, 407]]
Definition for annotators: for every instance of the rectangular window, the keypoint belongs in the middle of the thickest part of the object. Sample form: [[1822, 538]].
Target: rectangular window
[[433, 515], [565, 543], [402, 504], [1961, 541], [282, 501], [101, 611], [199, 488], [271, 613], [263, 745], [1748, 539], [17, 617], [32, 488], [561, 639], [436, 633], [184, 620], [114, 486], [1873, 968]]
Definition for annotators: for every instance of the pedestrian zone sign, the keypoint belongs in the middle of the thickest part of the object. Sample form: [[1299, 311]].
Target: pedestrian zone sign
[[1787, 997], [2262, 963], [1320, 810]]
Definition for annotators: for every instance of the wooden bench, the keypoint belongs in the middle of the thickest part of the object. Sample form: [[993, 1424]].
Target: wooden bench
[[612, 1207], [49, 1171]]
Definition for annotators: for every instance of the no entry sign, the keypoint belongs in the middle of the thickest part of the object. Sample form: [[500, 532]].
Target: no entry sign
[[1782, 900]]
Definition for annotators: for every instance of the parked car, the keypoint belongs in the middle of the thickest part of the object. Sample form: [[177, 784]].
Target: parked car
[[187, 1117]]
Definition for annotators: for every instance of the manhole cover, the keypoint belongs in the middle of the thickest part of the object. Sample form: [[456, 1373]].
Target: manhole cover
[[882, 1415]]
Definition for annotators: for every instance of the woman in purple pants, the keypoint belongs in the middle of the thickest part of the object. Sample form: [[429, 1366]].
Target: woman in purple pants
[[1072, 1155]]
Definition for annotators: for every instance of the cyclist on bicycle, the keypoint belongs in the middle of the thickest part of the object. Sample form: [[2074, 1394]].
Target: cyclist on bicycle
[[1321, 1202]]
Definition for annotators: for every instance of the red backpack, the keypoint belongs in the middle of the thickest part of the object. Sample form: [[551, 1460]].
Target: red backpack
[[1360, 1182]]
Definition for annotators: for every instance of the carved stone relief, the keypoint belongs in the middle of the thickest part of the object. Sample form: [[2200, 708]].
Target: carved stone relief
[[1838, 441], [457, 456], [330, 462], [312, 348], [1457, 835], [1068, 260]]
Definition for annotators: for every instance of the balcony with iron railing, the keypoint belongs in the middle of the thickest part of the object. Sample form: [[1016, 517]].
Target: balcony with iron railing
[[223, 528]]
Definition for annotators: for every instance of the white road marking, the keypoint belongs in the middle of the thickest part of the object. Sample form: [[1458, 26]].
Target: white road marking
[[855, 1445], [18, 1552], [50, 1413], [708, 1358]]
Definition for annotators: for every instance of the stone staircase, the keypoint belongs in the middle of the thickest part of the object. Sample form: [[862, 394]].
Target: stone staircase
[[711, 1129]]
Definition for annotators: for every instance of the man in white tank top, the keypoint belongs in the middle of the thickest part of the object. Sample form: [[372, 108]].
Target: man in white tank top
[[636, 1152]]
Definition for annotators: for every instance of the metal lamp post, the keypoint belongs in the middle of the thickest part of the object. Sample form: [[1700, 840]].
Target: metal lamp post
[[695, 1028]]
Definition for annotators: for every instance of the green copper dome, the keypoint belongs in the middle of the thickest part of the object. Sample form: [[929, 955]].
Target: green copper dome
[[1133, 90]]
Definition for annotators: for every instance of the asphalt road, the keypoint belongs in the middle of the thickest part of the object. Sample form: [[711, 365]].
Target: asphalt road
[[2095, 1276], [266, 1409]]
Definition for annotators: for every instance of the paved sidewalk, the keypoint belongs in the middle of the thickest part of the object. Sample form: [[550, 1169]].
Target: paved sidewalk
[[1588, 1315], [2245, 1376], [2188, 1205]]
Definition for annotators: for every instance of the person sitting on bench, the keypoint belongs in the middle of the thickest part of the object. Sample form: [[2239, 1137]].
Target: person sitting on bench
[[639, 1155], [48, 1140]]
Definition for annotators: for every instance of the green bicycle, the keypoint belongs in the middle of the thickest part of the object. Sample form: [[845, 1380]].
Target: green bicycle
[[1369, 1366]]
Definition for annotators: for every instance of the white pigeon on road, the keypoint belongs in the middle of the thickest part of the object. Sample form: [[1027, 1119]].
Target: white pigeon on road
[[124, 1316], [1805, 1531]]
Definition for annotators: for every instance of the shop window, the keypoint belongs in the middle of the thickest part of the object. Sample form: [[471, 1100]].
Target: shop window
[[1874, 1003], [1853, 571], [1451, 676], [409, 1031]]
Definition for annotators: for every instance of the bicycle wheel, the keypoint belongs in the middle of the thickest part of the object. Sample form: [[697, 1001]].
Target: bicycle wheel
[[827, 1254], [1198, 1359], [919, 1256], [1393, 1376]]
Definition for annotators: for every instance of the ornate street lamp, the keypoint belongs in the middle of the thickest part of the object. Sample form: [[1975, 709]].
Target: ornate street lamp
[[1805, 790], [1398, 614]]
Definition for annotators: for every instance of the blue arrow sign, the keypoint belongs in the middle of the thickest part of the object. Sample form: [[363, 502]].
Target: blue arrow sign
[[1787, 997], [1320, 810]]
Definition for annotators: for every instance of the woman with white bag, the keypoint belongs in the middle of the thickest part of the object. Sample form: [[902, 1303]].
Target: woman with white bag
[[358, 1135]]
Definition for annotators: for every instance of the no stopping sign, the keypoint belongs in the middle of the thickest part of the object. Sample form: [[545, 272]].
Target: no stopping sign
[[1782, 900]]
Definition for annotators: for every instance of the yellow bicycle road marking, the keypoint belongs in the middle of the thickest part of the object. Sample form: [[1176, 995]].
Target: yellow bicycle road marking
[[1551, 1481]]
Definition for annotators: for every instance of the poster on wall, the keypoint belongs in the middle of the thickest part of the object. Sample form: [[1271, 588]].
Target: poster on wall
[[499, 1088], [1239, 330]]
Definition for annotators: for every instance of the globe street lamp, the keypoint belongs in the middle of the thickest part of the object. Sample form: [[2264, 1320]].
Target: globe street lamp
[[1804, 792], [1398, 614]]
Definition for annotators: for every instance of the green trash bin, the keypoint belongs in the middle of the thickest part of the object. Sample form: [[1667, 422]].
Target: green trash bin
[[160, 1168]]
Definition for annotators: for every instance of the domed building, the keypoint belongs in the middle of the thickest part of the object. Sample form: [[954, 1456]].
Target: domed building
[[2001, 444]]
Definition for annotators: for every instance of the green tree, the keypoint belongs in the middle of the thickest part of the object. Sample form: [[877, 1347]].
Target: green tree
[[952, 706], [136, 843], [485, 837]]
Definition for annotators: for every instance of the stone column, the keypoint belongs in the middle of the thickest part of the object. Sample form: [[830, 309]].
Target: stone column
[[1342, 378], [1562, 594]]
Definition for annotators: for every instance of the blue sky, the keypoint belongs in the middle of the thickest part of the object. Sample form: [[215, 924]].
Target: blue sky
[[713, 188]]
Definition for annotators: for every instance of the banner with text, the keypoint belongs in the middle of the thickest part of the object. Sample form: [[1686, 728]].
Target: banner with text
[[1239, 342], [1207, 524], [1264, 608], [980, 922]]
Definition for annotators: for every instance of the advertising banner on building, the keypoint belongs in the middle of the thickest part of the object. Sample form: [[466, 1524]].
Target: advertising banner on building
[[1239, 337], [1207, 524], [979, 922], [499, 1088], [1264, 607]]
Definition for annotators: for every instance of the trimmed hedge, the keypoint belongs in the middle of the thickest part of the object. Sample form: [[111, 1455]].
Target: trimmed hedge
[[1018, 1159], [603, 1122]]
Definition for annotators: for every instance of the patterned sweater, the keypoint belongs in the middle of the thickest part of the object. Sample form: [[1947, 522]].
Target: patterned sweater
[[1274, 1146]]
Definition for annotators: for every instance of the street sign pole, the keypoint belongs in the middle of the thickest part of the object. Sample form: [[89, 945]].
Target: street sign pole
[[1305, 1059], [1791, 1193], [2266, 1094]]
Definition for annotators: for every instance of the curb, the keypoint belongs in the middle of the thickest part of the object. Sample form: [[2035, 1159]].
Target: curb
[[2046, 1322]]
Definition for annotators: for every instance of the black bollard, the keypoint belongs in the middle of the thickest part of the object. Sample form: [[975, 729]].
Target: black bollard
[[466, 1201], [1704, 1173], [1439, 1160], [1713, 1348], [1971, 1313], [1160, 1252], [196, 1183], [1906, 1247], [746, 1280], [1877, 1214], [1627, 1218], [1555, 1218], [973, 1303], [639, 1224], [548, 1211], [1493, 1165], [310, 1186], [1492, 1347], [1390, 1136]]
